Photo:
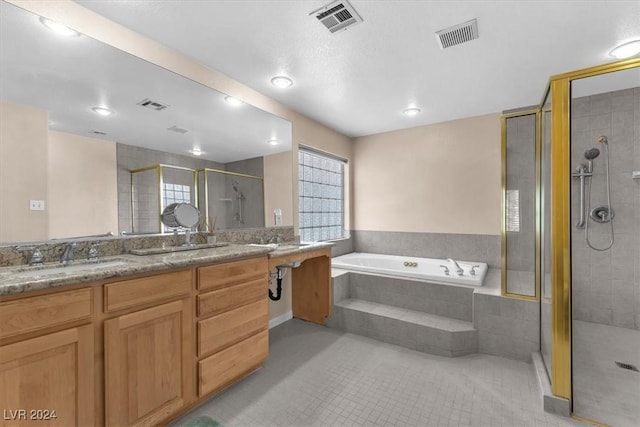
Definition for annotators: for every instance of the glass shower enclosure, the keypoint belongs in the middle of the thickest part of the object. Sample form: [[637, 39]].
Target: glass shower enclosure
[[155, 187], [231, 199], [590, 241]]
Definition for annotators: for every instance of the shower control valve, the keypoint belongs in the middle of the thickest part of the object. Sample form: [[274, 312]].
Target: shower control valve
[[446, 269]]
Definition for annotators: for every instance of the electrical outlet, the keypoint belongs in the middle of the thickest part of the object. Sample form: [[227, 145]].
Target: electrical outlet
[[36, 205]]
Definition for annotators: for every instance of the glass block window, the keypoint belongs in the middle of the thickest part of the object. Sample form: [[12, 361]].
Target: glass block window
[[176, 193], [321, 192], [513, 210]]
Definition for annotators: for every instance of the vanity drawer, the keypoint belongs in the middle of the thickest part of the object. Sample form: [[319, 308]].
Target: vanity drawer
[[224, 299], [222, 368], [129, 293], [30, 314], [232, 326], [222, 275]]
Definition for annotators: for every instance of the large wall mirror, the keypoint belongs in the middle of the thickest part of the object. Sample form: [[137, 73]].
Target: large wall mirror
[[65, 168]]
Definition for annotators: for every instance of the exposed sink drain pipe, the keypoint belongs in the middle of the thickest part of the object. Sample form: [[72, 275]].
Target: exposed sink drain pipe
[[281, 271]]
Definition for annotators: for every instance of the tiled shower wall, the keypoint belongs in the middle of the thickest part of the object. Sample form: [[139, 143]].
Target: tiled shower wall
[[606, 284], [465, 247]]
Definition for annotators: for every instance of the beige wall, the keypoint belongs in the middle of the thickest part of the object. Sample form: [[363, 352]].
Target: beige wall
[[441, 178], [278, 188], [83, 189], [23, 172]]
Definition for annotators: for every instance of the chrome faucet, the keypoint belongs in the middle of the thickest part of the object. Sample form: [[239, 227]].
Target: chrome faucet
[[459, 269], [94, 254], [276, 239], [68, 254], [36, 258]]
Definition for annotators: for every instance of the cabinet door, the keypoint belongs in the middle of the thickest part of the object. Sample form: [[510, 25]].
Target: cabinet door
[[147, 373], [48, 381]]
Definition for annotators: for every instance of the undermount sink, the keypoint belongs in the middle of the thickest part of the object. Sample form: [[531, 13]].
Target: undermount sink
[[69, 269], [171, 249], [292, 245], [286, 245]]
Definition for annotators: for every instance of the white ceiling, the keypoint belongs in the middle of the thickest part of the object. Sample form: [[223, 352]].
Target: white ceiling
[[67, 76], [358, 81]]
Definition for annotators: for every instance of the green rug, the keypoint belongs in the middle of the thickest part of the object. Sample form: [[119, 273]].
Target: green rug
[[202, 421]]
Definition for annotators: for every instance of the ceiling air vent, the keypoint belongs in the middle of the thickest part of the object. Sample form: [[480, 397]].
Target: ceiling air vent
[[176, 129], [98, 132], [152, 105], [458, 34], [337, 15]]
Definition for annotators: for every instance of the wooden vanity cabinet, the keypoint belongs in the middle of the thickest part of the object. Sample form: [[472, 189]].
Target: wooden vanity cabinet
[[148, 352], [47, 378], [132, 352], [233, 322]]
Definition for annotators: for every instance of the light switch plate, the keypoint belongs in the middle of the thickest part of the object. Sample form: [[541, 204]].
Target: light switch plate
[[36, 205]]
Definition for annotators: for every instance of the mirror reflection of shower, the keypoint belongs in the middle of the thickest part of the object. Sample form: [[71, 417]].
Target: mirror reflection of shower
[[238, 216], [599, 214]]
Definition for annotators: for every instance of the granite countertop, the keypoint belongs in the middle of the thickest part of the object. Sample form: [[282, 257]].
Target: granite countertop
[[20, 279]]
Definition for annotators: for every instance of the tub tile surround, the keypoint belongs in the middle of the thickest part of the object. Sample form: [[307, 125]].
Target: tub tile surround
[[466, 247], [342, 247], [606, 285], [507, 327], [14, 254], [439, 319]]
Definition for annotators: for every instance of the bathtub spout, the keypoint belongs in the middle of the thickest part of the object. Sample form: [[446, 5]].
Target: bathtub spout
[[457, 267]]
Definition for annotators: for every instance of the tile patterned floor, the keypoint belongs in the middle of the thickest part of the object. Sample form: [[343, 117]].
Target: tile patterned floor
[[317, 376], [601, 390]]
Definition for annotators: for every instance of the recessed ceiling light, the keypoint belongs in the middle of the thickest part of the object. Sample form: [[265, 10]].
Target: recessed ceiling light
[[411, 111], [58, 28], [273, 142], [281, 82], [233, 101], [195, 151], [626, 50], [103, 111]]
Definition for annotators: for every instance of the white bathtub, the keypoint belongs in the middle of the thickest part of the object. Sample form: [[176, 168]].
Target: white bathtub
[[419, 268]]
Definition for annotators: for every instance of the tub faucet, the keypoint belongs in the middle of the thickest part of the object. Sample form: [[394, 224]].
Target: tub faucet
[[459, 269], [68, 254]]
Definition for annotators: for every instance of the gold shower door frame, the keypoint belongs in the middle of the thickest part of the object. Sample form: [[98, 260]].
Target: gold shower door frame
[[159, 168], [560, 87], [503, 224]]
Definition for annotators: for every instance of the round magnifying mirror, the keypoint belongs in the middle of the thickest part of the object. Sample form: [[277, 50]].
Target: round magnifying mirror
[[181, 215]]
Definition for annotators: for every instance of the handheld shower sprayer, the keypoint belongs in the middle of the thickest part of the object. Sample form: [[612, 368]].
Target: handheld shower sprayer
[[600, 214], [590, 155]]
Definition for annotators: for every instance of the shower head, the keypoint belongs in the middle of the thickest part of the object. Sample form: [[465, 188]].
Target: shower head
[[591, 154], [603, 140]]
